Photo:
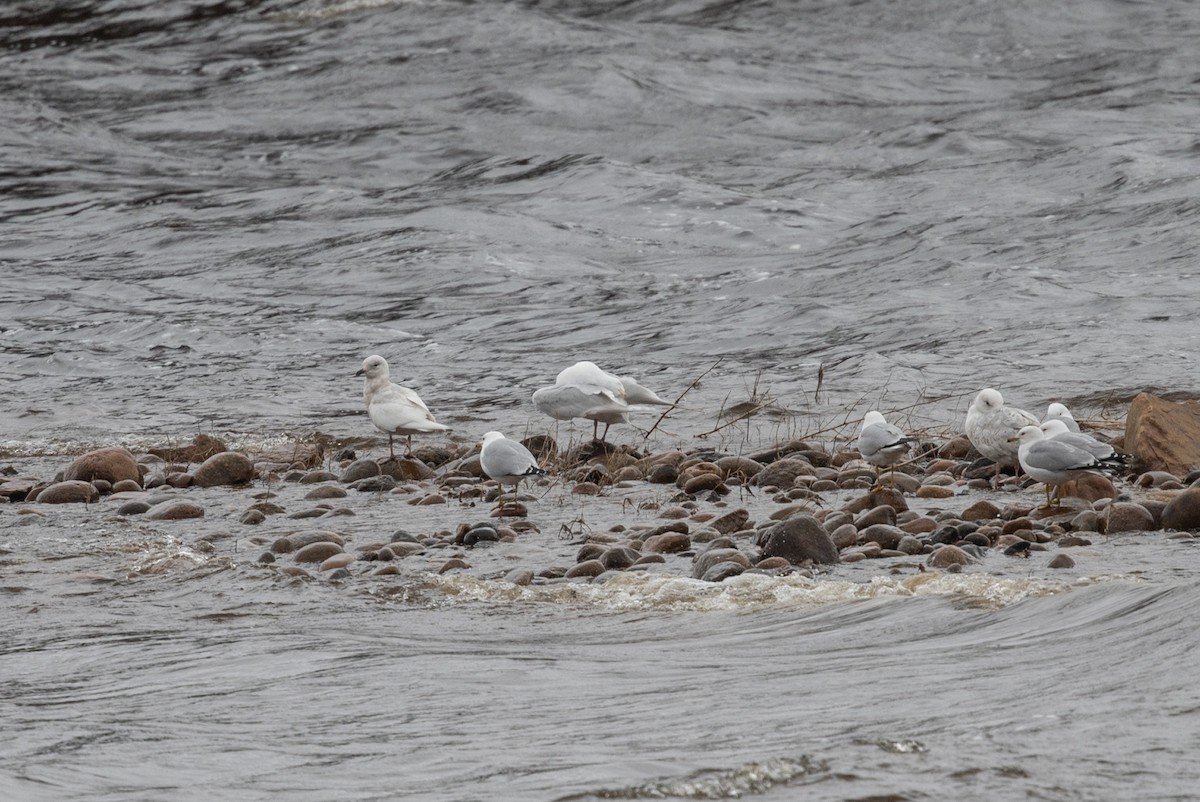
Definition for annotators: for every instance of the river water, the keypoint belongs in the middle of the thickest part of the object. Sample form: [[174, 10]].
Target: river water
[[212, 211]]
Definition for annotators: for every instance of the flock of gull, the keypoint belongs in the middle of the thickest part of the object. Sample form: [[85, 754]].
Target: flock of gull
[[1052, 451]]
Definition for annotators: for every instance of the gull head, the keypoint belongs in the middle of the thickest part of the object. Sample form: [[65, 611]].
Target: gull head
[[872, 418], [1057, 410], [1053, 428], [1028, 434], [988, 399], [373, 367]]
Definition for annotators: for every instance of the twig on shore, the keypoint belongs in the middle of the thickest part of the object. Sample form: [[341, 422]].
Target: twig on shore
[[679, 398]]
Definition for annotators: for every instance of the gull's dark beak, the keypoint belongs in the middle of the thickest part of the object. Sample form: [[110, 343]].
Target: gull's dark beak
[[361, 372], [1015, 438]]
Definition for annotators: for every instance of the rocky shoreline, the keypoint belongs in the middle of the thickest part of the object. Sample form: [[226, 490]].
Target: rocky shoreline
[[795, 508]]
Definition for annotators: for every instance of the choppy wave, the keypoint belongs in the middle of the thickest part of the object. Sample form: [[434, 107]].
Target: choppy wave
[[747, 780], [629, 592]]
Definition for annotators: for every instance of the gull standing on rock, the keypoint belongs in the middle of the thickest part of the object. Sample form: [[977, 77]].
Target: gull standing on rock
[[1052, 462], [507, 461], [585, 391], [992, 427], [1057, 411], [881, 443], [392, 408]]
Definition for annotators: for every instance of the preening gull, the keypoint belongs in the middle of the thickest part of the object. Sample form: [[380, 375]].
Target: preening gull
[[392, 408], [507, 461], [992, 427], [1057, 430], [1052, 462], [881, 443], [1057, 411], [583, 390]]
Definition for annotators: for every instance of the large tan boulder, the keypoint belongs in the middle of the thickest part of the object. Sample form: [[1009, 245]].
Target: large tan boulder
[[110, 464], [1165, 435]]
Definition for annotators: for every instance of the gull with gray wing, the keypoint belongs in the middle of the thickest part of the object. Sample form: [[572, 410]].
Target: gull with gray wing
[[507, 461]]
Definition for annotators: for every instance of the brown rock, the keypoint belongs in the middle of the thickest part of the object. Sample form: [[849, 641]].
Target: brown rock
[[667, 543], [111, 464], [359, 469], [1182, 513], [887, 536], [731, 522], [586, 568], [1093, 487], [325, 491], [1061, 561], [301, 539], [74, 491], [880, 496], [1164, 435], [844, 536], [454, 564], [406, 469], [703, 483], [317, 552], [175, 510], [981, 511], [252, 517], [663, 474], [226, 468], [336, 561], [799, 539], [308, 455], [958, 448], [713, 557], [1125, 516], [882, 514], [783, 473], [742, 467], [947, 556], [202, 448], [618, 558], [919, 526]]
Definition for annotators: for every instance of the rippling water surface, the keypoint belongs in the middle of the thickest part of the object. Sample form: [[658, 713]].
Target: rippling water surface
[[212, 211]]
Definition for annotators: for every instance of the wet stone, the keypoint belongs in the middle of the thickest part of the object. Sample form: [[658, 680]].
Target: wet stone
[[336, 561], [722, 571], [374, 484], [324, 492], [73, 491], [888, 537], [479, 535], [703, 562], [1061, 561], [981, 511], [317, 552], [110, 464], [252, 517], [799, 539], [175, 511], [1182, 513], [587, 568], [667, 543], [358, 470], [226, 468], [1124, 516], [619, 558], [731, 522], [948, 556], [133, 508]]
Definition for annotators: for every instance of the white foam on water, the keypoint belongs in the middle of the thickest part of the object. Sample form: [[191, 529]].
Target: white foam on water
[[634, 592], [755, 777]]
